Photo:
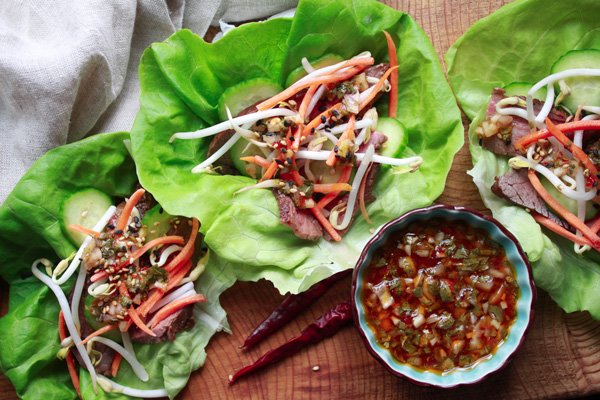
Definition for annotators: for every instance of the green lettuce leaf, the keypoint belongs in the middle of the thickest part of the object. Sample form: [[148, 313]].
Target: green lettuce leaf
[[519, 43], [31, 227], [181, 81]]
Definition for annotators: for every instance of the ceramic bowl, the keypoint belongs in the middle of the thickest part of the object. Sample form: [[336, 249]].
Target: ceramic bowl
[[458, 376]]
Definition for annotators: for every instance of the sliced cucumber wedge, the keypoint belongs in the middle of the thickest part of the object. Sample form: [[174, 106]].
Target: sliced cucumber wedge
[[585, 91], [245, 94], [326, 60], [521, 89], [157, 222], [84, 208], [397, 139], [243, 148]]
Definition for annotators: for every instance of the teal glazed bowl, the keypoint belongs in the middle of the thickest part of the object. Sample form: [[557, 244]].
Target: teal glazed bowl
[[486, 366]]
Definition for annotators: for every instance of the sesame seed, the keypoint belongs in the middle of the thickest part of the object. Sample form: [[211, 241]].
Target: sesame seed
[[316, 368]]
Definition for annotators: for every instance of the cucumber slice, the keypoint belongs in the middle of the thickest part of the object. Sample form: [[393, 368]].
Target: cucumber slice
[[157, 222], [245, 94], [521, 89], [584, 90], [396, 134], [569, 204], [84, 208], [326, 60], [243, 148]]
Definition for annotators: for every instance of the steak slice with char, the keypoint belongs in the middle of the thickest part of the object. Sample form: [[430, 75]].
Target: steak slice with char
[[520, 127], [168, 328], [302, 222], [516, 188]]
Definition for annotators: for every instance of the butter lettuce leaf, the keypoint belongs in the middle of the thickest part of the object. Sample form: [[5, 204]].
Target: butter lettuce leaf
[[519, 43], [31, 227], [181, 82]]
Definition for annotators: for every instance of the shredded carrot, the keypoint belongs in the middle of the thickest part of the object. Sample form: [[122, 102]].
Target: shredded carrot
[[377, 88], [84, 230], [62, 334], [330, 78], [298, 179], [347, 135], [153, 243], [361, 196], [258, 160], [344, 178], [306, 101], [562, 211], [595, 225], [123, 289], [575, 150], [188, 250], [98, 275], [318, 119], [318, 213], [393, 56], [116, 363], [126, 213], [101, 331], [150, 301], [175, 306], [559, 230], [331, 187], [270, 172], [178, 274], [585, 125], [138, 321], [298, 137]]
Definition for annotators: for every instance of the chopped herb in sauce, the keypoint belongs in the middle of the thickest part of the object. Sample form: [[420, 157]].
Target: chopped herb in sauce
[[440, 295]]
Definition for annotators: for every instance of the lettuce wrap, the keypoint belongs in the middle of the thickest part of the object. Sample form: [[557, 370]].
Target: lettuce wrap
[[182, 80], [31, 226], [519, 43]]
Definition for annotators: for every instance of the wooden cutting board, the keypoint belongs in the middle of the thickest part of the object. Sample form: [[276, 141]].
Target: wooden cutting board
[[559, 359]]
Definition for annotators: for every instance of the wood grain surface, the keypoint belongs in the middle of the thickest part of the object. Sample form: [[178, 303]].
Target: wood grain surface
[[559, 359]]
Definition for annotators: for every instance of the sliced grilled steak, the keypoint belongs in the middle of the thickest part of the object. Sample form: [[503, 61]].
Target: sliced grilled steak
[[515, 187], [377, 71], [520, 127], [168, 328], [302, 222]]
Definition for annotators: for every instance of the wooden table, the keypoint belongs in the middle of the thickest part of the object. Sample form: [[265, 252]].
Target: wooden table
[[559, 359]]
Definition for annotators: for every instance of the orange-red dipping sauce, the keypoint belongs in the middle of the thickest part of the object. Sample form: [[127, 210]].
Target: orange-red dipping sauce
[[440, 295]]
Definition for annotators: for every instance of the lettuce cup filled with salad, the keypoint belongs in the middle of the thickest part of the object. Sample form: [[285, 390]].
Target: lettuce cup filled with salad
[[534, 136]]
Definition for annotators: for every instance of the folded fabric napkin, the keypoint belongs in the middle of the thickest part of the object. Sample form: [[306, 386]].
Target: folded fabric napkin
[[69, 69]]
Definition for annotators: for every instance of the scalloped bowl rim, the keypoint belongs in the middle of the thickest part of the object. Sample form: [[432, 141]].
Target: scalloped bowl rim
[[485, 367]]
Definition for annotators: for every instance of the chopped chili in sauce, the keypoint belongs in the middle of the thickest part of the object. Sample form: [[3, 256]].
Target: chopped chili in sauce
[[440, 295]]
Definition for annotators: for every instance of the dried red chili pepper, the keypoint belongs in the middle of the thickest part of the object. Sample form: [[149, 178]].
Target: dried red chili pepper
[[325, 326], [290, 307]]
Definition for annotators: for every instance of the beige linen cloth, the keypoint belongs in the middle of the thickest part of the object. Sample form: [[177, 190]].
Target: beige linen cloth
[[68, 68]]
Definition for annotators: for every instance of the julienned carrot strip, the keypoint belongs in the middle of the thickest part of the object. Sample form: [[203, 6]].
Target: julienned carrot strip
[[270, 172], [152, 299], [174, 307], [101, 331], [258, 160], [318, 213], [126, 213], [319, 119], [344, 178], [98, 275], [84, 230], [348, 134], [595, 226], [298, 137], [138, 321], [153, 243], [393, 56], [361, 196], [178, 274], [331, 187], [331, 77], [123, 289], [575, 150], [559, 230], [306, 100], [116, 363], [562, 211], [188, 250], [584, 125], [298, 179], [62, 334], [377, 88]]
